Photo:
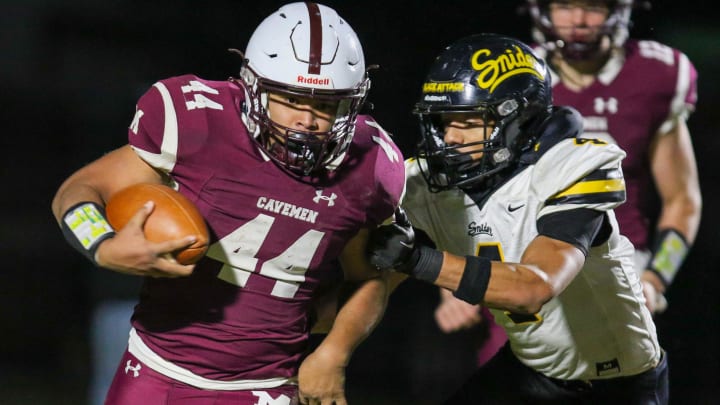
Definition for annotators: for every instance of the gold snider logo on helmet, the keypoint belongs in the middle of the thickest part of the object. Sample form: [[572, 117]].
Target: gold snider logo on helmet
[[492, 72]]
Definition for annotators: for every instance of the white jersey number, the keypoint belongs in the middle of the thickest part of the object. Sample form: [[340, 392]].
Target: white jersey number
[[238, 250]]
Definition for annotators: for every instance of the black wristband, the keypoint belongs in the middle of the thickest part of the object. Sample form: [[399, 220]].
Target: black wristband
[[474, 281], [425, 264], [85, 227]]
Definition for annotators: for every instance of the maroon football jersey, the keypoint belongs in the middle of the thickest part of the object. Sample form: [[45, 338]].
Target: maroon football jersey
[[243, 313], [631, 100]]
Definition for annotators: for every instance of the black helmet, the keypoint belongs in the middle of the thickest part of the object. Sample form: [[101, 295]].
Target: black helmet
[[615, 27], [497, 76]]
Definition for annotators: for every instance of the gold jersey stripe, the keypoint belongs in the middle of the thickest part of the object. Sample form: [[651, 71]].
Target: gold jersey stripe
[[592, 187]]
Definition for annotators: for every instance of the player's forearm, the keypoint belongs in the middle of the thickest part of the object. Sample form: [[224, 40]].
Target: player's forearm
[[682, 212], [675, 174], [547, 267], [355, 320], [511, 286]]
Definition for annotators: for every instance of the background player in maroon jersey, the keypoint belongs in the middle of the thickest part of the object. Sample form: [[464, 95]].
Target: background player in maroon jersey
[[289, 177], [639, 94]]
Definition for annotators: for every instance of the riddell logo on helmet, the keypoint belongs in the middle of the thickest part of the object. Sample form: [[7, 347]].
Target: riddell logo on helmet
[[492, 72], [320, 81]]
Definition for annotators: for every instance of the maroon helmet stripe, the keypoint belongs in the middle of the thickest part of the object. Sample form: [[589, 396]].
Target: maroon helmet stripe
[[315, 38]]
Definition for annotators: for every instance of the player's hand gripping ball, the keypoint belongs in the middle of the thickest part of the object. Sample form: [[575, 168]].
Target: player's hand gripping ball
[[173, 217]]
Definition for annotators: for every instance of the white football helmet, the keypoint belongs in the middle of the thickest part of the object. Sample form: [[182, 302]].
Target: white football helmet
[[304, 50]]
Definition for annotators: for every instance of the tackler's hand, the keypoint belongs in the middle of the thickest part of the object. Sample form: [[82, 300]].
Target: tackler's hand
[[391, 247]]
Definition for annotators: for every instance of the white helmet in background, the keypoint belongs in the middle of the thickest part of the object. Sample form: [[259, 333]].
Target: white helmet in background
[[305, 50]]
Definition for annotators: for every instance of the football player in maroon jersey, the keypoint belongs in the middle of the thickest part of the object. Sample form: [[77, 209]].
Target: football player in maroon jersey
[[638, 94], [289, 176]]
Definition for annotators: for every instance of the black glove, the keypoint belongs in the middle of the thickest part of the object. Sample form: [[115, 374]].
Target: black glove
[[392, 247]]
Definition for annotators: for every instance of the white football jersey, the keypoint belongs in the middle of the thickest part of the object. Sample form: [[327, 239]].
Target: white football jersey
[[599, 326]]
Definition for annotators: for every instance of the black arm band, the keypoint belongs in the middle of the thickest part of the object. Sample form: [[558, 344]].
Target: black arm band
[[668, 254], [427, 263], [474, 281], [85, 227]]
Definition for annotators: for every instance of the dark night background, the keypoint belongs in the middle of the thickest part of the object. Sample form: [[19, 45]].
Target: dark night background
[[69, 78]]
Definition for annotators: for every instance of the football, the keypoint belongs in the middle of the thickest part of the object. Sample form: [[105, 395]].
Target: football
[[173, 217]]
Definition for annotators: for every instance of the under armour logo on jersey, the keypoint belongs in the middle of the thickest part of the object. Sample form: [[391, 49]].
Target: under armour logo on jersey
[[135, 370], [601, 106], [265, 399], [330, 199]]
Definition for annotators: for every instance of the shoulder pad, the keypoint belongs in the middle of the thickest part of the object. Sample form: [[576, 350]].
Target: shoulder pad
[[583, 172], [562, 123], [386, 173]]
